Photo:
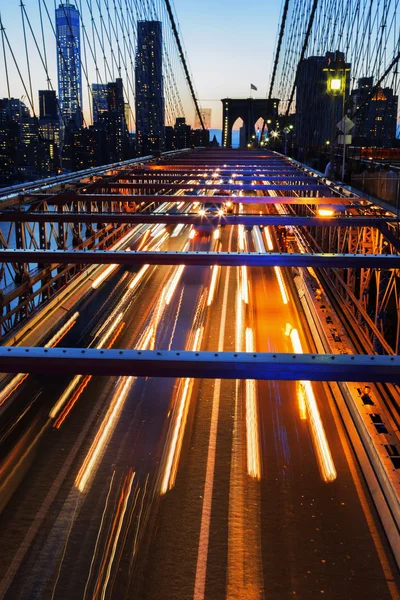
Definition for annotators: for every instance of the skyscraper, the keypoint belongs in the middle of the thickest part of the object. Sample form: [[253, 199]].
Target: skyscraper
[[69, 64], [376, 117], [49, 127], [48, 107], [100, 100], [150, 131], [317, 113]]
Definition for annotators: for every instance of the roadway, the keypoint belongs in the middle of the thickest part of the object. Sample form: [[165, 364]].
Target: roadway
[[189, 489], [274, 511]]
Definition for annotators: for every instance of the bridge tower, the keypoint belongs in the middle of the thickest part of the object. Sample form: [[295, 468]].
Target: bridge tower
[[249, 110]]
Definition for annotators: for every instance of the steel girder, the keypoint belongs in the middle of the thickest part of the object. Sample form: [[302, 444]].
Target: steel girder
[[67, 197], [205, 365], [188, 218], [149, 178], [251, 259], [367, 293], [23, 291], [305, 187]]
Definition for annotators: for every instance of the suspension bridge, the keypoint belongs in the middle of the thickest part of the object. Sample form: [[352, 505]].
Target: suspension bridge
[[199, 344]]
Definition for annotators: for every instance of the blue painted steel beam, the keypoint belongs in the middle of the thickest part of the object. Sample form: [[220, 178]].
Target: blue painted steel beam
[[227, 187], [224, 173], [65, 198], [157, 178], [206, 365], [225, 259], [192, 219]]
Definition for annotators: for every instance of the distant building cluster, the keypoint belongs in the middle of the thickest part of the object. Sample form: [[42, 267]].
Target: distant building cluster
[[57, 139], [317, 113]]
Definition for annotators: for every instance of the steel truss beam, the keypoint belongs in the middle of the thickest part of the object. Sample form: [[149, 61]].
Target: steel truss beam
[[187, 178], [197, 172], [191, 219], [66, 198], [205, 365], [305, 187], [225, 259]]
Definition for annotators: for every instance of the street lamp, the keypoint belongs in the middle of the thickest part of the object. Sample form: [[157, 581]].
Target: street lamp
[[286, 131], [337, 70]]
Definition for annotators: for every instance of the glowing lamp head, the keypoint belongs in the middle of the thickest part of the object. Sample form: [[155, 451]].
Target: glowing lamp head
[[229, 204], [220, 212], [202, 212], [335, 84]]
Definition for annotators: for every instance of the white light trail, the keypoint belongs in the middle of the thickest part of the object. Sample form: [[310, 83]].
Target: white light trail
[[213, 284], [177, 229]]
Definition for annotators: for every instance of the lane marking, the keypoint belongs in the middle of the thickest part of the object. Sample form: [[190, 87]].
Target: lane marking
[[202, 556]]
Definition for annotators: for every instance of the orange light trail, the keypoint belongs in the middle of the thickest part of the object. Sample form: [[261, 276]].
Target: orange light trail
[[245, 285], [268, 239], [325, 460], [302, 401], [252, 427], [73, 400], [282, 285], [12, 386], [104, 433], [16, 381], [174, 283], [112, 542], [178, 432], [62, 331], [138, 277], [241, 238], [144, 239]]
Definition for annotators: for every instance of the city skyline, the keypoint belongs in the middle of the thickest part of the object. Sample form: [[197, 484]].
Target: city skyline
[[203, 46]]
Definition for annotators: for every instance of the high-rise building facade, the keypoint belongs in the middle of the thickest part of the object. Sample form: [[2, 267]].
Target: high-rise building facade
[[49, 128], [375, 114], [317, 113], [19, 141], [150, 131], [69, 64], [48, 106], [109, 116], [99, 100]]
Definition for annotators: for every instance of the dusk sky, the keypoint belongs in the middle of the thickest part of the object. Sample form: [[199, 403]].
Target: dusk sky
[[229, 43]]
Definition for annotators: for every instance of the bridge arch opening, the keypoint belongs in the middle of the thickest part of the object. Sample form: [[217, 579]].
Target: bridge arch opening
[[239, 135]]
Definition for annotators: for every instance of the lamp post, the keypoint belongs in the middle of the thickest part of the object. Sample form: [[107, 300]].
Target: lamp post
[[286, 131], [336, 86]]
